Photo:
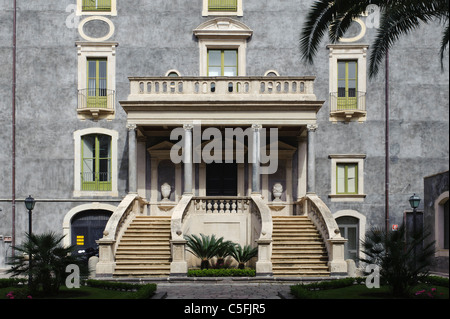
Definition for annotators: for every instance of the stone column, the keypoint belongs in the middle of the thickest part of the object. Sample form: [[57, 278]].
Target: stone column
[[311, 179], [132, 158], [302, 149], [256, 177], [187, 158]]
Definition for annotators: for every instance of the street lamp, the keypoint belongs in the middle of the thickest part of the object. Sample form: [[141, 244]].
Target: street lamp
[[29, 204], [414, 201]]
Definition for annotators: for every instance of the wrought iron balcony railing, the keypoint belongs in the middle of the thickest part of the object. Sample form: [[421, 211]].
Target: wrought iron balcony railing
[[222, 5], [96, 98], [348, 101], [96, 181], [96, 5]]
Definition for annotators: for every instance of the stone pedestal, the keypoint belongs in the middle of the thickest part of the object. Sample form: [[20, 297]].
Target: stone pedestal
[[106, 265], [264, 263], [178, 266]]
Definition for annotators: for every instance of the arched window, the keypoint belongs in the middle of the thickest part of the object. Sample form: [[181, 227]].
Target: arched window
[[95, 162], [349, 227]]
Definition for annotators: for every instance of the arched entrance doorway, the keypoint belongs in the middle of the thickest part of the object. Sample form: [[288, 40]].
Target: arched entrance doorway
[[87, 227]]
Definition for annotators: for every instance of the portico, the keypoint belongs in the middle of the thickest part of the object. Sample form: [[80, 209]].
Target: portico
[[223, 156]]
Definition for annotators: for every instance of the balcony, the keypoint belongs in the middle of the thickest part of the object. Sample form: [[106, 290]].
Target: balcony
[[222, 5], [96, 181], [347, 108], [96, 103], [222, 100], [96, 5]]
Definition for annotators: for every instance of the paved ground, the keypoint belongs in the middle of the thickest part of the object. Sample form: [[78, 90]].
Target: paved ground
[[223, 290]]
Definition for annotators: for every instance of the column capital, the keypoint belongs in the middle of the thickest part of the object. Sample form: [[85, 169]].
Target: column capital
[[131, 127], [311, 127], [256, 127], [188, 127]]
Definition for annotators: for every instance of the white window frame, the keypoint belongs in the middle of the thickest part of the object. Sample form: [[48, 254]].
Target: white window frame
[[361, 224], [355, 52], [206, 12], [77, 136], [347, 159], [222, 33], [80, 11], [439, 224], [88, 50]]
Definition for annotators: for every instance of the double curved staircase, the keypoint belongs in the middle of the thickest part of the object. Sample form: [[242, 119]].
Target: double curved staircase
[[137, 245]]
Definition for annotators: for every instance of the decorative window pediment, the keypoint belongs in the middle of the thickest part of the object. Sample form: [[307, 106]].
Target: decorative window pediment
[[223, 34], [223, 27]]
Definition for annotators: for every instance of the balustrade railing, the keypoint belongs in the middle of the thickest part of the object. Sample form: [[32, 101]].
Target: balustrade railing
[[96, 98], [96, 5], [221, 205], [221, 85], [222, 5], [350, 101]]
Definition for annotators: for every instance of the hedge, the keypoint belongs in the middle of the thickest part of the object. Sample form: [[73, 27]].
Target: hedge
[[228, 272], [140, 291]]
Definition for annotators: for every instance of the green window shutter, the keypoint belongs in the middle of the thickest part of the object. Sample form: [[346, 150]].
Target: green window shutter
[[222, 63], [347, 85], [97, 83], [222, 5], [96, 163], [96, 5], [347, 178]]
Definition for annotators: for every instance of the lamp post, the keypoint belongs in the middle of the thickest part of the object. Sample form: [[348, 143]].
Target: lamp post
[[414, 201], [29, 204]]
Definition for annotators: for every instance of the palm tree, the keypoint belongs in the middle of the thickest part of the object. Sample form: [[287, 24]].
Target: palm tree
[[49, 261], [403, 261], [398, 17], [243, 254], [204, 248]]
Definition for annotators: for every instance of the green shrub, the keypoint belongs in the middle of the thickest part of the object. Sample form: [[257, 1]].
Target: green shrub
[[141, 291], [435, 280], [12, 282], [145, 291], [229, 272]]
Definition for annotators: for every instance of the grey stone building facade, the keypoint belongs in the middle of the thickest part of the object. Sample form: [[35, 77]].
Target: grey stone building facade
[[84, 72]]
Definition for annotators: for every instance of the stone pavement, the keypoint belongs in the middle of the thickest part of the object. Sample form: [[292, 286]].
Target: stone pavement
[[223, 290], [227, 287]]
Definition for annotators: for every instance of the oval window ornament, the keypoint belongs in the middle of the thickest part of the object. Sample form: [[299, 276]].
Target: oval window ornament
[[94, 18], [359, 36]]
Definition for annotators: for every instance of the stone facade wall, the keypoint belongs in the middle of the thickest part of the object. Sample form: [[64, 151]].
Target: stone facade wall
[[156, 36]]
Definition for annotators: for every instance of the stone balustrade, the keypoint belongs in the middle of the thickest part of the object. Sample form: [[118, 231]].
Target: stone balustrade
[[221, 205], [230, 86]]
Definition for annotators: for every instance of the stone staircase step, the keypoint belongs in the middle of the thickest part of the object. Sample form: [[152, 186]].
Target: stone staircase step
[[144, 249], [297, 248]]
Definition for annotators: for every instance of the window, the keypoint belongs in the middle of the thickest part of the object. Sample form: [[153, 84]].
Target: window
[[347, 82], [222, 63], [347, 85], [222, 44], [96, 80], [348, 227], [96, 85], [95, 159], [97, 7], [96, 163], [222, 7], [347, 178]]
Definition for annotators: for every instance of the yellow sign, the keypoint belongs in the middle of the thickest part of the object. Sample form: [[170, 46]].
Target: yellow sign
[[80, 240]]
